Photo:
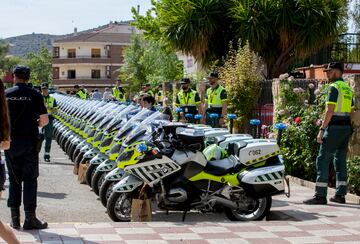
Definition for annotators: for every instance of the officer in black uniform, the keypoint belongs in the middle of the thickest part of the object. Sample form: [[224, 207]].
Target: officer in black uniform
[[27, 112]]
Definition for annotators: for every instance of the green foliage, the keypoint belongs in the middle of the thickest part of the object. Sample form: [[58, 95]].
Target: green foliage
[[279, 31], [149, 61], [298, 144], [354, 172], [242, 75], [40, 65]]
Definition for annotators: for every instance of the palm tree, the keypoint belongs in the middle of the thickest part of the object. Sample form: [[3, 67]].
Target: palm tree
[[279, 30]]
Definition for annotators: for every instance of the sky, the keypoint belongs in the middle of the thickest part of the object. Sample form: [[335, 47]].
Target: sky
[[19, 17]]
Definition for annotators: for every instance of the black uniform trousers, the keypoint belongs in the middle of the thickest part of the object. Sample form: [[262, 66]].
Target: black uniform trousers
[[22, 161]]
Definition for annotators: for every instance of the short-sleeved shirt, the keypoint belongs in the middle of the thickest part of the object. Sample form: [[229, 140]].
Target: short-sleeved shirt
[[25, 106], [223, 96], [332, 98]]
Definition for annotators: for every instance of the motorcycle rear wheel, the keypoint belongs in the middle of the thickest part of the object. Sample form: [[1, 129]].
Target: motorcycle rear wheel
[[261, 209]]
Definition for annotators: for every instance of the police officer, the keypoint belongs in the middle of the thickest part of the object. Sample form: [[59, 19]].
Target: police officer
[[27, 113], [334, 136], [188, 99], [51, 106], [159, 97], [147, 89], [80, 92], [215, 100], [118, 93]]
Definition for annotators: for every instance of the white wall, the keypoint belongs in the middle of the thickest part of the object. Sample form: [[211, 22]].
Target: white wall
[[81, 71], [82, 49]]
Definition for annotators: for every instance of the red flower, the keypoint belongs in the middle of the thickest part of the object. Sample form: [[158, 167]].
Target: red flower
[[297, 120]]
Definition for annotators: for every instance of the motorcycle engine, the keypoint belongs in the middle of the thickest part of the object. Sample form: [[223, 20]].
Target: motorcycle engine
[[177, 195]]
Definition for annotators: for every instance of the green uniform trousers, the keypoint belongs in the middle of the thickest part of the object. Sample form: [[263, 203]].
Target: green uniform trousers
[[333, 149], [48, 133]]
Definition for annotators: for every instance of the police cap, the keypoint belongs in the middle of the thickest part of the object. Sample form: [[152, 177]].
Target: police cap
[[335, 65], [185, 81], [213, 75], [22, 72], [44, 85]]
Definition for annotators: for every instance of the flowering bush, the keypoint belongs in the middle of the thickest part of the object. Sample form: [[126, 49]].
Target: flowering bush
[[298, 145]]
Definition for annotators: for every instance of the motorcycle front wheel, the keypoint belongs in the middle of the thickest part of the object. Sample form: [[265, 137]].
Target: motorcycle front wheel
[[105, 191], [257, 211], [119, 207]]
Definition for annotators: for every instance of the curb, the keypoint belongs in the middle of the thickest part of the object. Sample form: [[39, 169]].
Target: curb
[[349, 197]]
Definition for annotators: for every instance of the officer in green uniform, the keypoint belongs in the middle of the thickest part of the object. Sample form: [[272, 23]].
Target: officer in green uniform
[[216, 100], [188, 99], [159, 97], [118, 92], [51, 107], [333, 137], [80, 92], [147, 89]]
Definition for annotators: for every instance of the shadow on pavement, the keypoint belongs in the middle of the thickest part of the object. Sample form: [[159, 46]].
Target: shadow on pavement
[[52, 195], [46, 236], [57, 163]]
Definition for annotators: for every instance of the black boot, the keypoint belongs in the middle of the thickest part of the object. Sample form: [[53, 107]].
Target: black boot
[[15, 218], [32, 223]]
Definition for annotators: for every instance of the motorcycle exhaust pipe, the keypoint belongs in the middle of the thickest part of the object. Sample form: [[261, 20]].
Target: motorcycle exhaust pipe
[[225, 202]]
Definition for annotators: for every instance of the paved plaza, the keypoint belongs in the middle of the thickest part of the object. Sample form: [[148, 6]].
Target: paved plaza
[[76, 216]]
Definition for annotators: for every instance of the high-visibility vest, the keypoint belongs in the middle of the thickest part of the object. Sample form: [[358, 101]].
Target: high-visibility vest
[[50, 104], [187, 98], [214, 96], [345, 98], [118, 94], [159, 96], [81, 94]]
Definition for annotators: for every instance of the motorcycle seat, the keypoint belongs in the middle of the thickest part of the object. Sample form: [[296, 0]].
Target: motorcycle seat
[[220, 167]]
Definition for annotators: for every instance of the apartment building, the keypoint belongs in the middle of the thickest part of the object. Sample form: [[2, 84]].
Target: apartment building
[[90, 58]]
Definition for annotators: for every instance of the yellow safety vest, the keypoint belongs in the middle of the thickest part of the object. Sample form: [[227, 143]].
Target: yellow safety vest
[[159, 96], [118, 95], [81, 94], [345, 98], [214, 97], [50, 104], [187, 98]]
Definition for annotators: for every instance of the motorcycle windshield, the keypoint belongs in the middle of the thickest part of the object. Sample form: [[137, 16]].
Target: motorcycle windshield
[[145, 128], [120, 118], [133, 122]]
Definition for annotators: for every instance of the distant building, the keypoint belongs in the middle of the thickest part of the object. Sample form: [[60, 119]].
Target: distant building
[[92, 58], [317, 71]]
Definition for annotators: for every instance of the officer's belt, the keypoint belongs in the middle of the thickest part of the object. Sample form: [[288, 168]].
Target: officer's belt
[[342, 114], [340, 122]]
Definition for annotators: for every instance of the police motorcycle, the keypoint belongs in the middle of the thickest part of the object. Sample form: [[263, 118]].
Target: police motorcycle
[[111, 172], [89, 132], [110, 163], [129, 154], [99, 156], [181, 179]]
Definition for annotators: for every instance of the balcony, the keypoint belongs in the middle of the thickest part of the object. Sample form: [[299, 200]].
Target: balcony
[[82, 60], [69, 82]]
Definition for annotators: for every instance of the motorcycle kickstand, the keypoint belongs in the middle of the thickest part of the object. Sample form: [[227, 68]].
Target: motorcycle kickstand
[[184, 216]]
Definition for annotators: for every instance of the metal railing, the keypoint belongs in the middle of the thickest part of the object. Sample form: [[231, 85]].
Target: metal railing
[[82, 56]]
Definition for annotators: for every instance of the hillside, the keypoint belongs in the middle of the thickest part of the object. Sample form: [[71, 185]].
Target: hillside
[[21, 45], [24, 44]]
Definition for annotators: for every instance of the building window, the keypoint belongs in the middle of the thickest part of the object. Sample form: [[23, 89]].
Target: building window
[[72, 74], [95, 53], [56, 52], [108, 51], [72, 53], [95, 74]]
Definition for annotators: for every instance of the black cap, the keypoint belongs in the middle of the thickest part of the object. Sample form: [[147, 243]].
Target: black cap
[[44, 85], [147, 84], [335, 65], [185, 81], [22, 72], [76, 87], [213, 75]]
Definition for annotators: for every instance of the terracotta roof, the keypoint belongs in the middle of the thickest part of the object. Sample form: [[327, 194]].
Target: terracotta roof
[[98, 37], [118, 32]]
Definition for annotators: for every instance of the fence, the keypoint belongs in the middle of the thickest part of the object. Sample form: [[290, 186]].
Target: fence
[[264, 111]]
